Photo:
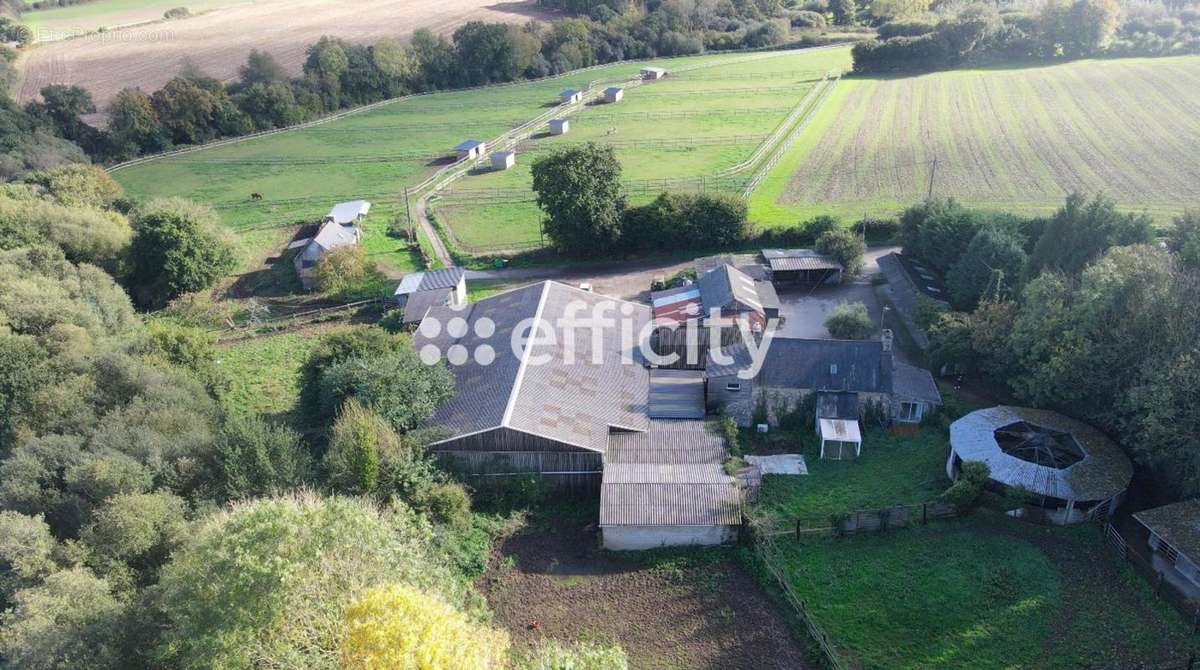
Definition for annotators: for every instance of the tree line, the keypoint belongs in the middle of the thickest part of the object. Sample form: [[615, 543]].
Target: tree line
[[1087, 311], [1061, 29], [149, 521], [193, 108]]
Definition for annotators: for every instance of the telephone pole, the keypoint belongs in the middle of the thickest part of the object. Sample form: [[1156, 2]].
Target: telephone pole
[[412, 225], [932, 174]]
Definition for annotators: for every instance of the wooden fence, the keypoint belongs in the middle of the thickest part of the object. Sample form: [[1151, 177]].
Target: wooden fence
[[834, 658], [271, 324], [873, 520], [1144, 566]]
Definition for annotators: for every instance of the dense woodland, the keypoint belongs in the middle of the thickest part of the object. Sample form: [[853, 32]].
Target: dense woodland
[[147, 522]]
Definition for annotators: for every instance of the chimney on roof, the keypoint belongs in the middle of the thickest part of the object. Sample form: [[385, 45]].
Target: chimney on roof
[[886, 339]]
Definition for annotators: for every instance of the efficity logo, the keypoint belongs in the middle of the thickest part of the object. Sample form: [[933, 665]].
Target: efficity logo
[[589, 332]]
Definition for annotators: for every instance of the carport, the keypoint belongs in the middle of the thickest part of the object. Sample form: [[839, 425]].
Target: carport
[[840, 439], [802, 266]]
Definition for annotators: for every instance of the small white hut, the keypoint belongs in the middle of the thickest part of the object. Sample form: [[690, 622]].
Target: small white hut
[[840, 439], [613, 94], [503, 160], [470, 149], [570, 96], [653, 73], [559, 126]]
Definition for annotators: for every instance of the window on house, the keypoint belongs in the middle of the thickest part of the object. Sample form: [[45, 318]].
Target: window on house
[[910, 411], [733, 388]]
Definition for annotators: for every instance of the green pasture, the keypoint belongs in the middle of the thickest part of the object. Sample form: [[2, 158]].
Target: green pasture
[[91, 16], [375, 154], [690, 125], [1018, 139]]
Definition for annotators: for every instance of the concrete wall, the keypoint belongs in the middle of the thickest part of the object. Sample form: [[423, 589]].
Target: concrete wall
[[737, 404], [636, 538]]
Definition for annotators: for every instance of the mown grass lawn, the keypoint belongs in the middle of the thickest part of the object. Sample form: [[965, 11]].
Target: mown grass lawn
[[892, 470], [982, 592], [265, 371]]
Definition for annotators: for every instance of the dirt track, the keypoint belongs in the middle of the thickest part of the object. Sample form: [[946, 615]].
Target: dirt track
[[217, 42]]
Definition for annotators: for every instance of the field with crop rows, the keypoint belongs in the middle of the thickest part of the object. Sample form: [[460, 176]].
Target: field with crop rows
[[1018, 139], [679, 133]]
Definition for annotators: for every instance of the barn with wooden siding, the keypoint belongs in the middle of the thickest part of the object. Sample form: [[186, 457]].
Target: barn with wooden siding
[[531, 411]]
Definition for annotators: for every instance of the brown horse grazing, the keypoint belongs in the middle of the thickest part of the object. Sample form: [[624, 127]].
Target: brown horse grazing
[[256, 196]]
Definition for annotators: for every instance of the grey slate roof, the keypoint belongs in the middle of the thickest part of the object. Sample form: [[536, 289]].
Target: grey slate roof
[[1104, 471], [421, 302], [573, 404], [828, 365], [913, 383], [1178, 524], [674, 504], [430, 280]]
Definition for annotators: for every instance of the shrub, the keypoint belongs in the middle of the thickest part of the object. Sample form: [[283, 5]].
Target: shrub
[[928, 311], [850, 321], [807, 19], [178, 247], [398, 386], [176, 13], [965, 493], [395, 627], [817, 226], [446, 503], [359, 441], [733, 438], [845, 247], [906, 28]]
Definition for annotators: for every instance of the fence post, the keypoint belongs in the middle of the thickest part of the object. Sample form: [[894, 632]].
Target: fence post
[[924, 505], [797, 529]]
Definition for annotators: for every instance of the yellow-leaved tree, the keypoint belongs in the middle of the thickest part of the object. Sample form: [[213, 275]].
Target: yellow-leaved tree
[[395, 627]]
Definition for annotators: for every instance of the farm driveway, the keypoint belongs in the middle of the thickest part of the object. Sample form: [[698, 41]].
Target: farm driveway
[[217, 42], [691, 609]]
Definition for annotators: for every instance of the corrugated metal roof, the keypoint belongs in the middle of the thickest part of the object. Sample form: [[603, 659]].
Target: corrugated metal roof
[[429, 280], [574, 403], [421, 302], [677, 394], [1178, 524], [790, 260], [1104, 471], [348, 212], [667, 441], [727, 287], [664, 473], [670, 504]]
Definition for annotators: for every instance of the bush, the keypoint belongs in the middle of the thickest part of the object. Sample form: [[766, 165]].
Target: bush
[[446, 503], [965, 493], [358, 443], [906, 28], [395, 627], [817, 226], [178, 247], [845, 247], [732, 435], [928, 311], [685, 220], [850, 321], [807, 19], [398, 386], [176, 13]]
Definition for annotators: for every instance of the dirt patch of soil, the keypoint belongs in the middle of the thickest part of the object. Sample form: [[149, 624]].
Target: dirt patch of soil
[[677, 609], [218, 42]]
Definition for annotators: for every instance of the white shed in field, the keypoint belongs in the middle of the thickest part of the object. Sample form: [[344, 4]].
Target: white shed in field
[[348, 213], [559, 126], [570, 96], [613, 94], [652, 73], [503, 160], [470, 149]]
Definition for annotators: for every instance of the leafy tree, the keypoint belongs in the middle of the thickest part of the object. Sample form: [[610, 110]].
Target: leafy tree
[[84, 234], [1184, 238], [951, 343], [435, 58], [993, 266], [1081, 27], [78, 185], [63, 105], [132, 534], [344, 268], [359, 441], [819, 225], [271, 578], [579, 189], [72, 620], [489, 52], [133, 125], [1162, 425], [325, 64], [850, 321], [337, 347], [261, 68], [938, 231], [39, 289], [26, 553], [185, 111], [398, 386], [1082, 230], [965, 492], [270, 106], [396, 627], [256, 458], [843, 246], [845, 12], [178, 247]]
